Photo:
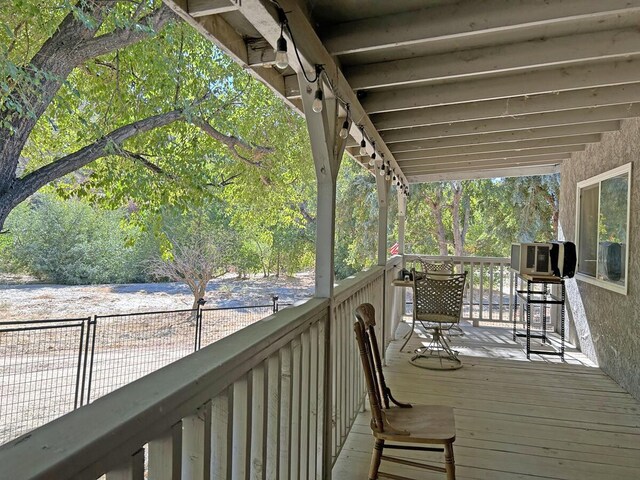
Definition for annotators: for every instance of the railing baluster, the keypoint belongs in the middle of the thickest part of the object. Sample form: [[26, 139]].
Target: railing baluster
[[165, 455], [241, 421], [273, 415], [221, 415], [491, 272], [131, 469], [193, 446], [259, 401], [313, 400], [305, 406], [285, 412], [501, 299], [297, 415]]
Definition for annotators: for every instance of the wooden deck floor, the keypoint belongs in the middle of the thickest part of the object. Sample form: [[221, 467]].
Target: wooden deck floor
[[515, 418]]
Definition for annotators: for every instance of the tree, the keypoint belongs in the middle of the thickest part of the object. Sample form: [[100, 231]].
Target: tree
[[197, 248], [103, 84]]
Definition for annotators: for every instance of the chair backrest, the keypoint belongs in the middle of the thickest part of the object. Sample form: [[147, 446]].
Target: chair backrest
[[443, 267], [366, 313], [373, 388], [438, 297]]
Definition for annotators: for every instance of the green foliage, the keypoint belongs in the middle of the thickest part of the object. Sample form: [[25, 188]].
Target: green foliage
[[74, 243]]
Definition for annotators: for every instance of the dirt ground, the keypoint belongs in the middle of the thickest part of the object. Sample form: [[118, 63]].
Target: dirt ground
[[22, 300]]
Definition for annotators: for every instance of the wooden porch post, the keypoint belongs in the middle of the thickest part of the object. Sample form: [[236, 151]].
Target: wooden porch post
[[383, 187], [328, 149], [402, 212]]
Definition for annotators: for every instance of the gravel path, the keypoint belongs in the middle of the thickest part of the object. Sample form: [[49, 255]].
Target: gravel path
[[45, 301]]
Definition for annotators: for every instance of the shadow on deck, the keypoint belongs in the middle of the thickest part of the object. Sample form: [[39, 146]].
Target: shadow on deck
[[515, 418]]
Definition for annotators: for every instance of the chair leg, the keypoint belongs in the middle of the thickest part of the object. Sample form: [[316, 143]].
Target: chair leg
[[376, 457], [449, 463]]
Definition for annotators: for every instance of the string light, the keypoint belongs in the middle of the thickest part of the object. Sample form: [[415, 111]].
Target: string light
[[363, 144], [316, 106], [372, 161], [282, 59], [344, 131]]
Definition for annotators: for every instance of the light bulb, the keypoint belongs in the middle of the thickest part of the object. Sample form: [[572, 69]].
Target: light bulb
[[363, 147], [344, 131], [282, 60], [382, 171], [387, 176], [317, 102]]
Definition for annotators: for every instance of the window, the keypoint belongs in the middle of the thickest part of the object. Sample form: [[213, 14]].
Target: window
[[602, 229]]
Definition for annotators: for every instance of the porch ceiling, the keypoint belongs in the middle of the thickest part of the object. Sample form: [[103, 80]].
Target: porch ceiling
[[451, 90]]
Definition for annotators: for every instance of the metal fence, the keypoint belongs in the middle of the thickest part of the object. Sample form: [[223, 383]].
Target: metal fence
[[51, 367]]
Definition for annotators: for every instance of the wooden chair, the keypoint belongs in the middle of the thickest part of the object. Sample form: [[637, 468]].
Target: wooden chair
[[437, 303], [366, 314], [403, 428]]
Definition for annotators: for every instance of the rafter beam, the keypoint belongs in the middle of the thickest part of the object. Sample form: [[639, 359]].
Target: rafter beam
[[496, 147], [549, 102], [522, 171], [522, 122], [418, 162], [504, 86], [418, 143], [264, 17], [202, 8], [502, 59], [544, 133], [491, 163], [470, 18]]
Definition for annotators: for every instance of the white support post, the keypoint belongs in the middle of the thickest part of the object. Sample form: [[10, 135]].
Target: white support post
[[328, 149], [402, 214], [383, 187]]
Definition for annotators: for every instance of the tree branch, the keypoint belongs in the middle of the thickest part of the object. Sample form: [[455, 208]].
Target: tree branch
[[104, 146], [138, 157], [72, 44], [232, 142]]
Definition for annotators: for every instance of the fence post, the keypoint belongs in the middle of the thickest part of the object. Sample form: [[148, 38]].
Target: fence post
[[274, 299], [198, 340]]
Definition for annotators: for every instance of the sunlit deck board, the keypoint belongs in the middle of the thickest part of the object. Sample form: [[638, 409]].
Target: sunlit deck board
[[515, 418]]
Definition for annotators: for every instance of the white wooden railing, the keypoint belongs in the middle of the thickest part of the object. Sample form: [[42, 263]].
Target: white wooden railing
[[489, 290], [275, 400]]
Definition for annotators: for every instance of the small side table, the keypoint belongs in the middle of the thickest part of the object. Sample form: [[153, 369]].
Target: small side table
[[535, 290]]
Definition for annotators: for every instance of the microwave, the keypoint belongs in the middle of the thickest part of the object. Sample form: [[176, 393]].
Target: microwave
[[532, 258]]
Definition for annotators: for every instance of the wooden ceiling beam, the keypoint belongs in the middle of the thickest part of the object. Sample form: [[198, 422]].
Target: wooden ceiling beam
[[489, 164], [496, 147], [548, 102], [503, 86], [544, 133], [501, 59], [523, 122], [510, 171], [202, 8], [544, 152], [469, 18], [418, 143]]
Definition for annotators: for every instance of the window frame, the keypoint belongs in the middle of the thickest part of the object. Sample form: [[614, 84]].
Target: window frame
[[598, 179]]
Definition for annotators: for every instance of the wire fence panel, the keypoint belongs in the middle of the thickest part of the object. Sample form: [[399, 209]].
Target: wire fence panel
[[217, 323], [41, 372], [129, 346]]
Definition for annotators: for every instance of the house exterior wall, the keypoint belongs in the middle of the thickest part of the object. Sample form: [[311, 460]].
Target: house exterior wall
[[606, 324]]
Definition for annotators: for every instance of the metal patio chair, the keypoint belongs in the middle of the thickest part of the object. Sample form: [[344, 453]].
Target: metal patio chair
[[437, 300]]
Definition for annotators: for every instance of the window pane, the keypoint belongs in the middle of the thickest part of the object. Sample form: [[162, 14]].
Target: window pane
[[613, 229], [588, 234]]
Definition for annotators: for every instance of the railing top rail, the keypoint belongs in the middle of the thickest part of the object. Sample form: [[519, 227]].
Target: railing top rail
[[453, 258], [352, 284], [89, 441]]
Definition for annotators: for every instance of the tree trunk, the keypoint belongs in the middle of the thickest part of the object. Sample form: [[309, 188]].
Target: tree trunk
[[435, 204], [458, 225]]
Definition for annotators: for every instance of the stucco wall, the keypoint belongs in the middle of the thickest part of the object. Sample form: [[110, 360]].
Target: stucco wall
[[607, 324]]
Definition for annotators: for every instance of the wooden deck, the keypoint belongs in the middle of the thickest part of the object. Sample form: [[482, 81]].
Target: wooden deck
[[515, 418]]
